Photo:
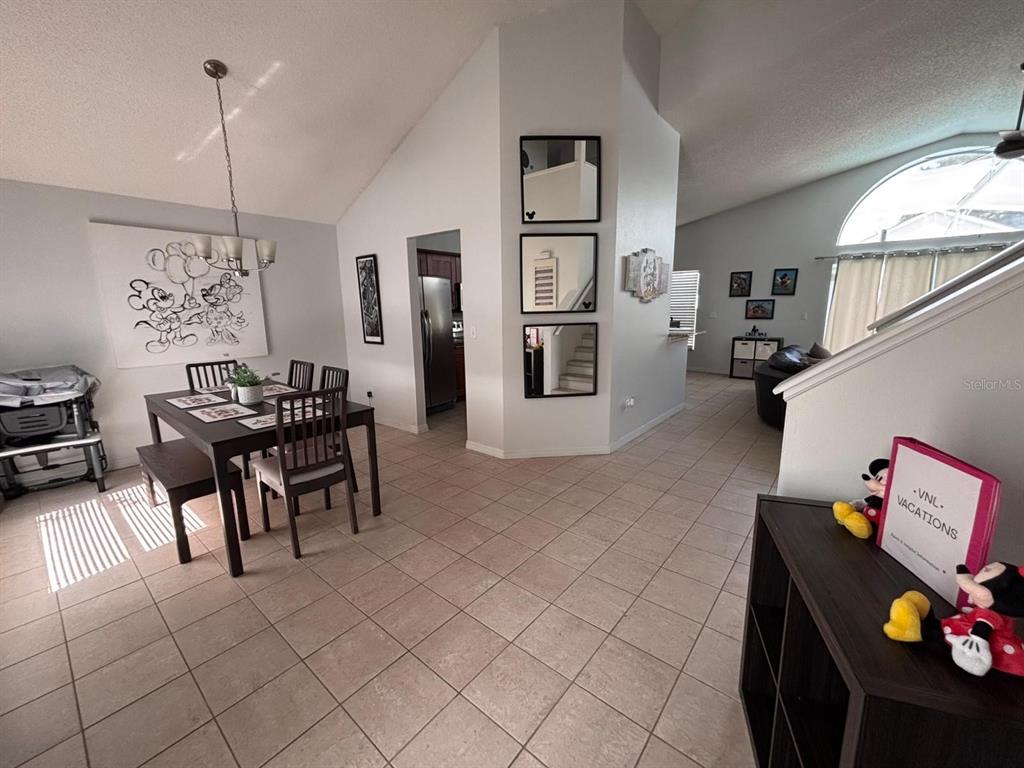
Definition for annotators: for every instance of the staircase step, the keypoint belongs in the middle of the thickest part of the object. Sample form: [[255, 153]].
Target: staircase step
[[576, 382], [582, 353], [581, 367]]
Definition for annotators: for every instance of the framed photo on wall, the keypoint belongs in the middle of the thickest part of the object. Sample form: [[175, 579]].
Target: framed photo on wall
[[760, 309], [739, 283], [369, 299], [784, 282]]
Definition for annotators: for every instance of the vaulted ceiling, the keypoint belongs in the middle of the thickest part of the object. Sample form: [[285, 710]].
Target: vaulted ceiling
[[110, 94]]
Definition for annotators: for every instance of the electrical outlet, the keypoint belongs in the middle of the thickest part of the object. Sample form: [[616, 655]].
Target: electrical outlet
[[369, 393]]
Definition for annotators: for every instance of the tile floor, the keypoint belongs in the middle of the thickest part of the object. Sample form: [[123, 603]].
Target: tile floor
[[578, 612]]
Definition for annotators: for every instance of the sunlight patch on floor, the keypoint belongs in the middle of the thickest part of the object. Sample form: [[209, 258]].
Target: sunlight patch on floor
[[152, 526], [79, 541]]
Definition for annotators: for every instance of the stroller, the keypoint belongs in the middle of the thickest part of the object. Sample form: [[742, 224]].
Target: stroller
[[43, 412]]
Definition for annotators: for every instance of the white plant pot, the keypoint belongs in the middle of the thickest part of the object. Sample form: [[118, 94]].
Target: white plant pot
[[250, 395]]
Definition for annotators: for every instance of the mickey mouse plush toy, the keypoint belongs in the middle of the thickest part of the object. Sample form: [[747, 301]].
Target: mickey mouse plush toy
[[858, 516], [982, 636]]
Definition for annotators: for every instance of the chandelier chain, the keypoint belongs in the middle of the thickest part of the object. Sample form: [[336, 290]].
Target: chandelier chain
[[227, 156]]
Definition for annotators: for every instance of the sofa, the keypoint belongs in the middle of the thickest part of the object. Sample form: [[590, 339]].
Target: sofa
[[788, 361]]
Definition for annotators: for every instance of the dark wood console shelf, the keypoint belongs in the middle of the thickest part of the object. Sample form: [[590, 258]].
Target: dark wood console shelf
[[823, 687]]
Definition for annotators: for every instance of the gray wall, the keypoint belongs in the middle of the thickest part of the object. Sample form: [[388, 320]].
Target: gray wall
[[50, 309], [784, 230]]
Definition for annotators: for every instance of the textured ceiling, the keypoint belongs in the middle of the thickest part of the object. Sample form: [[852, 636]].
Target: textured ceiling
[[110, 94], [771, 95]]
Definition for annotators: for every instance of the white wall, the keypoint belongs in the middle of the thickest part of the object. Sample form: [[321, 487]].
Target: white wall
[[49, 297], [645, 365], [561, 75], [921, 389], [785, 230], [443, 176]]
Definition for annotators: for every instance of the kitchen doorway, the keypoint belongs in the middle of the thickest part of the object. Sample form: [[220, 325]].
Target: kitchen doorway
[[438, 284]]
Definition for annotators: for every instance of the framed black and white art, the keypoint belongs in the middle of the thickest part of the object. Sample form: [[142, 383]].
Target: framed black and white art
[[369, 299]]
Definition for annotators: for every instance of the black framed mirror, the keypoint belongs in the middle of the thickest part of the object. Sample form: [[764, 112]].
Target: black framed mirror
[[560, 178], [558, 273], [560, 360]]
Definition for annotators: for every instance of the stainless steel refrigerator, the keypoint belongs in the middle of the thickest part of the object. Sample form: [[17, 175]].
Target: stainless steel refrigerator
[[438, 345]]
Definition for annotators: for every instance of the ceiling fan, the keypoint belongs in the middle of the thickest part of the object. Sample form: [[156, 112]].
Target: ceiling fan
[[1012, 144]]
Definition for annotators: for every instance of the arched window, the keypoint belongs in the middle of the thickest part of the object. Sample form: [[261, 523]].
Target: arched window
[[916, 229]]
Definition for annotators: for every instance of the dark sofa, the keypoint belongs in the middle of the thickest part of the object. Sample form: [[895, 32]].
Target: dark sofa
[[777, 368]]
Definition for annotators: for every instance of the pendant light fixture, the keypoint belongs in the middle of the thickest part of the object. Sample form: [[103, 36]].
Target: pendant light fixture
[[1012, 144], [228, 255]]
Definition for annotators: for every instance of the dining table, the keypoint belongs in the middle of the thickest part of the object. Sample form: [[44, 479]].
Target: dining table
[[223, 440]]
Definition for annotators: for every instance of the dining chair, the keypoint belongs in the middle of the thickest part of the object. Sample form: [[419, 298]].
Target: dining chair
[[311, 455], [332, 376], [212, 374], [300, 375]]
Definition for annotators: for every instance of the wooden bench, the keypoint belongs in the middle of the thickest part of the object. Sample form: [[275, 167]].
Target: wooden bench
[[186, 473]]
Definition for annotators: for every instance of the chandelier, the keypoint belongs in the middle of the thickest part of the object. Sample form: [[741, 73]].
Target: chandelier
[[227, 255]]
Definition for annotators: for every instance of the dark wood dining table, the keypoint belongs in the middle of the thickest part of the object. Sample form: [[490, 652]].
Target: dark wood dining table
[[223, 440]]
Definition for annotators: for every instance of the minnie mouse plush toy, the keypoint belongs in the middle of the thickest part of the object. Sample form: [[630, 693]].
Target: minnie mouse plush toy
[[982, 636]]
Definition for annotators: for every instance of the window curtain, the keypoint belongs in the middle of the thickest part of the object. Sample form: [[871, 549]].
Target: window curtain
[[854, 297], [904, 278], [952, 264]]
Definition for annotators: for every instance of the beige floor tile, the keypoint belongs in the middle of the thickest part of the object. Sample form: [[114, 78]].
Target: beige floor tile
[[698, 564], [28, 581], [138, 732], [644, 545], [705, 477], [705, 725], [345, 567], [260, 574], [727, 615], [744, 503], [199, 602], [715, 660], [264, 722], [544, 577], [561, 640], [104, 609], [526, 760], [688, 489], [735, 522], [575, 551], [714, 540], [658, 754], [433, 520], [658, 631], [345, 664], [462, 582], [533, 532], [638, 494], [67, 754], [634, 682], [390, 541], [464, 536], [679, 506], [459, 737], [35, 676], [415, 615], [736, 583], [131, 677], [598, 527], [549, 486], [458, 650], [97, 584], [620, 509], [500, 554], [595, 601], [558, 512], [584, 498], [29, 639], [334, 741], [318, 623], [38, 726], [398, 703], [234, 674], [623, 570], [497, 516], [219, 631], [681, 594], [506, 608], [584, 732], [372, 591], [516, 691], [664, 525], [170, 582], [119, 638], [494, 489], [425, 559], [290, 594], [203, 748], [466, 503]]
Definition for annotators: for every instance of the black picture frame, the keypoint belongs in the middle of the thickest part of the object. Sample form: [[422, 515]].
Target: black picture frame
[[523, 238], [787, 276], [524, 156], [368, 286], [739, 283], [529, 374], [751, 307]]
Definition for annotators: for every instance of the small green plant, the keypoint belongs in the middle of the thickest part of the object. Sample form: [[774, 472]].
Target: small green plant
[[244, 376]]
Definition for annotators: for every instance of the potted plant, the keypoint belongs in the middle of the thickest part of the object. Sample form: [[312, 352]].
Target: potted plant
[[248, 384]]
